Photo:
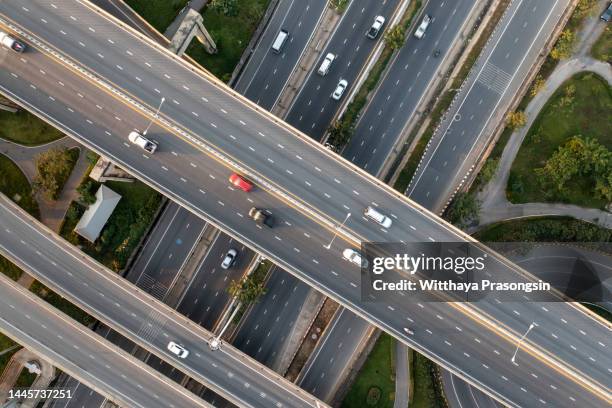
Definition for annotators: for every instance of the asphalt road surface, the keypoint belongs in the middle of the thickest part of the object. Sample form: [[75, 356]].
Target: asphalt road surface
[[479, 106], [83, 354], [138, 316], [182, 181], [409, 76], [266, 72], [313, 109], [332, 358]]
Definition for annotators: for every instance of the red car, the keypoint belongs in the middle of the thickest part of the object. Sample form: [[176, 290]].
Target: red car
[[240, 182]]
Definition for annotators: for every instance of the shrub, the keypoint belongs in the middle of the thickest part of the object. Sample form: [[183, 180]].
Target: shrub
[[516, 120], [396, 37]]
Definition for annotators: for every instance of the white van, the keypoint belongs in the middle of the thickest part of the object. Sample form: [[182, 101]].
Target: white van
[[326, 64], [280, 40]]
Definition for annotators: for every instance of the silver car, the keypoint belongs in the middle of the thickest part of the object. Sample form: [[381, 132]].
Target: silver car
[[229, 259], [340, 88]]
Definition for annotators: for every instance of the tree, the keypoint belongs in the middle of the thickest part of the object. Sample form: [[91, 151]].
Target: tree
[[395, 37], [52, 169], [340, 133], [516, 120], [225, 7], [537, 86], [565, 44], [86, 192], [246, 291], [339, 5], [463, 210]]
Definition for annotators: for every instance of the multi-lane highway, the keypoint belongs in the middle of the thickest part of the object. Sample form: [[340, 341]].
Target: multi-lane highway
[[411, 74], [83, 354], [138, 316], [266, 73], [294, 163], [314, 106], [483, 99]]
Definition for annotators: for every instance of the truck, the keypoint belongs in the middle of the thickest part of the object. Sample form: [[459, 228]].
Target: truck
[[12, 43]]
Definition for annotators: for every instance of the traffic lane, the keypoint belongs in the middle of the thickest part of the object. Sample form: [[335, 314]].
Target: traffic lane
[[166, 250], [335, 352], [401, 90], [81, 353], [207, 296], [398, 320], [301, 176], [264, 329], [313, 109], [303, 264], [502, 70], [460, 394], [272, 72], [149, 322]]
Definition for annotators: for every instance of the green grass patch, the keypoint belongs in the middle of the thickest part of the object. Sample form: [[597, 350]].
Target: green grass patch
[[125, 227], [444, 102], [158, 13], [15, 185], [544, 229], [231, 33], [425, 393], [60, 303], [24, 128], [9, 269], [602, 49], [349, 118], [588, 114], [375, 383]]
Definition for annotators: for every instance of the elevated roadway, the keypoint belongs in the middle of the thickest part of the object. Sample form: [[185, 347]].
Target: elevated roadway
[[83, 354], [327, 188], [140, 317]]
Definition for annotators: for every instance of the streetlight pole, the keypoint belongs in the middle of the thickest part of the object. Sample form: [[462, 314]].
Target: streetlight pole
[[336, 232], [518, 345], [215, 342], [154, 117]]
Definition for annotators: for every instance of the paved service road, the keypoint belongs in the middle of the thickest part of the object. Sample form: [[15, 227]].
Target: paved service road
[[83, 354], [483, 98], [313, 108], [334, 354], [409, 76], [148, 322], [187, 175], [266, 73]]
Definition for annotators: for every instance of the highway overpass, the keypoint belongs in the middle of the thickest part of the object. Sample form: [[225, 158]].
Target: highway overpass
[[83, 354], [319, 188], [139, 316]]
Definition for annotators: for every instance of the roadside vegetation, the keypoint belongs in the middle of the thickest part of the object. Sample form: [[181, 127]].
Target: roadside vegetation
[[25, 379], [124, 229], [60, 303], [231, 23], [568, 148], [249, 290], [339, 5], [15, 185], [53, 167], [158, 13], [375, 383], [544, 229], [341, 131], [602, 49], [24, 128], [444, 102], [425, 389]]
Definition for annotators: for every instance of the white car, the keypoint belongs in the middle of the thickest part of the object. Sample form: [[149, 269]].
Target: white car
[[354, 257], [229, 258], [377, 216], [372, 33], [326, 64], [139, 140], [178, 350], [420, 31], [12, 43], [339, 89]]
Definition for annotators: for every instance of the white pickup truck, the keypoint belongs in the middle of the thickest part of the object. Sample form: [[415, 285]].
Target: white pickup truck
[[139, 140], [10, 42]]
